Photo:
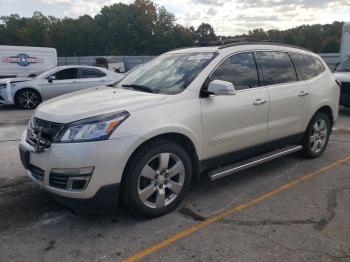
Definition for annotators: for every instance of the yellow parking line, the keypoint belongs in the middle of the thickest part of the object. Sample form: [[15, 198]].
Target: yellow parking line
[[217, 217]]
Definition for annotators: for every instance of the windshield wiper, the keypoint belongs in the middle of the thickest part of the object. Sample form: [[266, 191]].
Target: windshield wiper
[[140, 88]]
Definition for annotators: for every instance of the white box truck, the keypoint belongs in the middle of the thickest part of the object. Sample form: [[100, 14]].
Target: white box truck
[[345, 43], [22, 61]]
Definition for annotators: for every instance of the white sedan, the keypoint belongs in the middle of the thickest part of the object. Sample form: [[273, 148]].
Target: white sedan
[[28, 93]]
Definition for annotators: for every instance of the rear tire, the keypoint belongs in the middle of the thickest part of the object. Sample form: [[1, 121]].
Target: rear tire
[[316, 136], [157, 178], [28, 98]]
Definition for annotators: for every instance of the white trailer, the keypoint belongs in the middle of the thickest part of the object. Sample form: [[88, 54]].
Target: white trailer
[[345, 42], [22, 61]]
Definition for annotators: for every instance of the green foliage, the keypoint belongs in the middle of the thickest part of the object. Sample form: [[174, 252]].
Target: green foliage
[[143, 28], [204, 33], [140, 28], [318, 38]]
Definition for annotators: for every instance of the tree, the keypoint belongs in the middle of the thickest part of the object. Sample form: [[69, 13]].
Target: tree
[[204, 33], [257, 34], [143, 28]]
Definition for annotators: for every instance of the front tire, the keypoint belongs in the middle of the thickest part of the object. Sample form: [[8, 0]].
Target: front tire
[[316, 136], [157, 178], [28, 99]]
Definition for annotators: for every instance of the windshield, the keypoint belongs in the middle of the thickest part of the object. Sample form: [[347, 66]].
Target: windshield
[[167, 74], [344, 66]]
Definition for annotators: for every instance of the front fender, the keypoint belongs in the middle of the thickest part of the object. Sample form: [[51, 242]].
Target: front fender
[[21, 86]]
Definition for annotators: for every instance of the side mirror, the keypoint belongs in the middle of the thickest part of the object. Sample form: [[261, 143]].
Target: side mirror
[[221, 88], [51, 78]]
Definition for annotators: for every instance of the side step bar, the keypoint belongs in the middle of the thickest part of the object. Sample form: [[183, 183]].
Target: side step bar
[[237, 167]]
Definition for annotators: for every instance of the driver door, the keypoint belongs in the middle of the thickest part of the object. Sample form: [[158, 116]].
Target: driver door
[[235, 122], [66, 81]]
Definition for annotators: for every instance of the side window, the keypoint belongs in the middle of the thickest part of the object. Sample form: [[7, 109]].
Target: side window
[[277, 68], [65, 74], [91, 73], [308, 66], [240, 70]]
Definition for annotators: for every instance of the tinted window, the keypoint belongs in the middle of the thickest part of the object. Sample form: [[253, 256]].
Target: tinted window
[[71, 73], [277, 68], [91, 73], [308, 66], [238, 69]]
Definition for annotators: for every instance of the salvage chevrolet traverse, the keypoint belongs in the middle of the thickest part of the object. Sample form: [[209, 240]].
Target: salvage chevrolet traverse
[[208, 110]]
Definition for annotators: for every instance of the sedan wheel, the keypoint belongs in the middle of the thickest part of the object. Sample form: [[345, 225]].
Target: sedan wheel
[[28, 99]]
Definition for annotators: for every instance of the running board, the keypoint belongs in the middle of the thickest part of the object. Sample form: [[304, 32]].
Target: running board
[[237, 167]]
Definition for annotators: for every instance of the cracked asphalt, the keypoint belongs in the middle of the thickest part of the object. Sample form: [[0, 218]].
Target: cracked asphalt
[[308, 221]]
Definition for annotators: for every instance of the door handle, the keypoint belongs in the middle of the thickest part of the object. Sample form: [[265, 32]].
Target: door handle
[[259, 101], [303, 93]]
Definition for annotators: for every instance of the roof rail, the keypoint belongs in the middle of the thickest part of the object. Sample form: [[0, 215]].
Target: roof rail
[[227, 41], [262, 43]]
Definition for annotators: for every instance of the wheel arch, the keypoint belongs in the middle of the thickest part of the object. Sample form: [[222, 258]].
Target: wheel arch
[[179, 138], [327, 110], [27, 88]]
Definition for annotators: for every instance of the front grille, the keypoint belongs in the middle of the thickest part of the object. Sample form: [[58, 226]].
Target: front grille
[[37, 173], [41, 133]]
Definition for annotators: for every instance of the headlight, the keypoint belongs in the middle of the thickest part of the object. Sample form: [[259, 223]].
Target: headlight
[[3, 86], [93, 128]]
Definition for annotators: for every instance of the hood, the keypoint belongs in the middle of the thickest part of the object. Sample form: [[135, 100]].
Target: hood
[[94, 101], [342, 76], [15, 80]]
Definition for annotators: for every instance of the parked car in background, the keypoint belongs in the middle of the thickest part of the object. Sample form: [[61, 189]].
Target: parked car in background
[[21, 61], [206, 110], [342, 74], [28, 93]]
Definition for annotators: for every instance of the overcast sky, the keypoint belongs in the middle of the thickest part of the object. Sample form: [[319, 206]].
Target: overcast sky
[[228, 17]]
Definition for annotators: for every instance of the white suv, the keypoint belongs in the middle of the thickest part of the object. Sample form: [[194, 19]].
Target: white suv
[[207, 110]]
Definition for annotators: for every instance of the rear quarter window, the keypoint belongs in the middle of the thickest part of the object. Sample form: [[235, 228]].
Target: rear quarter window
[[308, 66], [91, 73]]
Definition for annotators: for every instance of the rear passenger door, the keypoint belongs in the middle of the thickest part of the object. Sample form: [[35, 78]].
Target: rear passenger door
[[91, 77], [289, 101]]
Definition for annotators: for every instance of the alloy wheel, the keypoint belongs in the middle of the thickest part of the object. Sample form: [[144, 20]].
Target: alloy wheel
[[29, 100], [318, 137], [161, 180]]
